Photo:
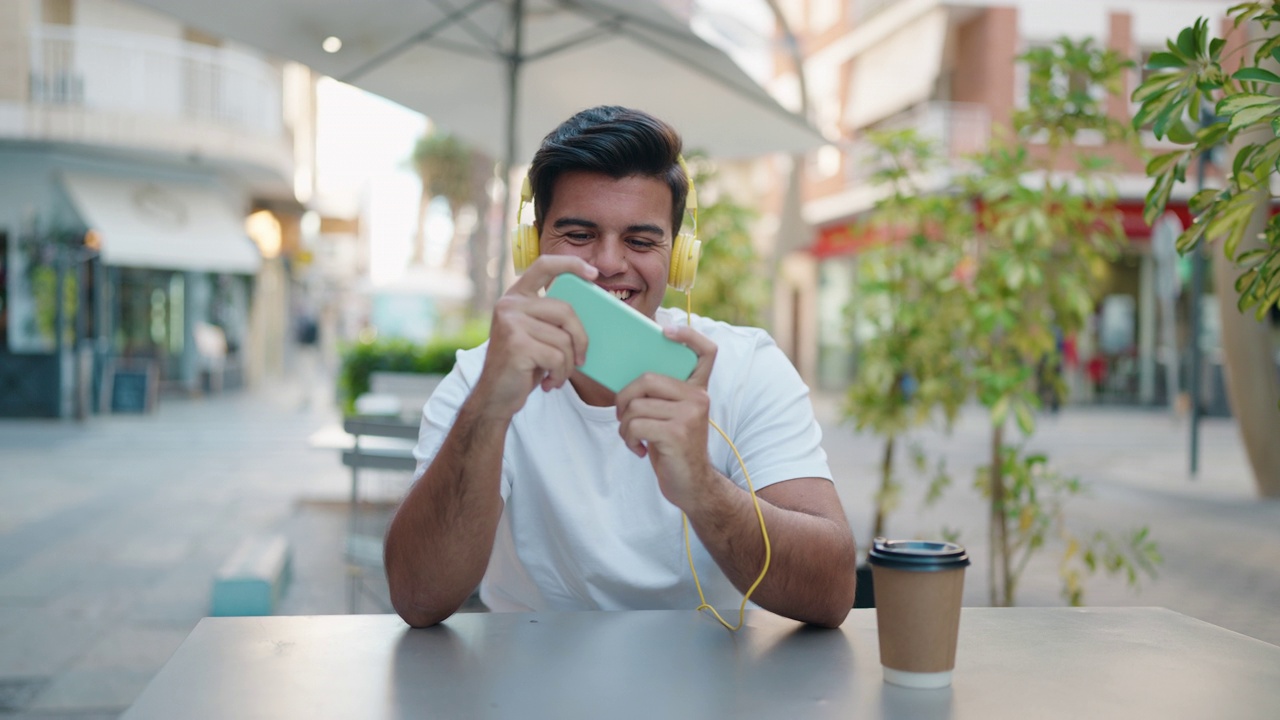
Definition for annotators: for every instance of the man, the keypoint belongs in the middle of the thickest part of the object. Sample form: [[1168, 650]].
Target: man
[[561, 495]]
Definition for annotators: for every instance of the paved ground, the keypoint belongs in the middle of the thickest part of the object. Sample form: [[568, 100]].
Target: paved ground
[[110, 531]]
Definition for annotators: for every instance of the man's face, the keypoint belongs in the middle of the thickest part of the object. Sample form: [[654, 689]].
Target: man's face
[[620, 226]]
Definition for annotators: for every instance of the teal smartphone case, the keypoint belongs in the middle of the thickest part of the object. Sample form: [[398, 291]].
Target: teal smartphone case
[[622, 344]]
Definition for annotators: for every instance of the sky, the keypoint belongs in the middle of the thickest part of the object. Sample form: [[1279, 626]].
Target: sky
[[359, 137], [363, 146]]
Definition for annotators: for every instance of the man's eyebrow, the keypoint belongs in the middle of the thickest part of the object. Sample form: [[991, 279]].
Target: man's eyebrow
[[580, 222], [645, 228]]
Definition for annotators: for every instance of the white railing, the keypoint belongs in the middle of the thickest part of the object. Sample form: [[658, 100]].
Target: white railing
[[98, 69], [957, 130]]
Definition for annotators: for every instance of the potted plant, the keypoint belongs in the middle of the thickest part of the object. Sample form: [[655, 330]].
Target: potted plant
[[1204, 93], [418, 365]]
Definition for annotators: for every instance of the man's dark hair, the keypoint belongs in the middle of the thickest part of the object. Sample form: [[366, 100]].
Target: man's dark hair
[[615, 141]]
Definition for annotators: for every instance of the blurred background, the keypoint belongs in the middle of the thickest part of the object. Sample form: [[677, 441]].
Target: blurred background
[[213, 257]]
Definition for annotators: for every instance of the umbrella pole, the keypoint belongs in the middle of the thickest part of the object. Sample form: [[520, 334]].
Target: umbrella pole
[[513, 89]]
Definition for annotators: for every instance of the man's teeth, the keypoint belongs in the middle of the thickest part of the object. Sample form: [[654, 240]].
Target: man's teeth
[[620, 294]]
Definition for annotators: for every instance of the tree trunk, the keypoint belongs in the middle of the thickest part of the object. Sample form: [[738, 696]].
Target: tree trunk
[[998, 529], [420, 230], [886, 479]]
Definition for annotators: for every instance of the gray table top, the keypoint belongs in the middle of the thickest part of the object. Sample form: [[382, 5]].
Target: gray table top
[[1012, 663]]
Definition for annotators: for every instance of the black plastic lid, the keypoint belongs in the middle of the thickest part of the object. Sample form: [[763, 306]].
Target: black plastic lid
[[919, 555]]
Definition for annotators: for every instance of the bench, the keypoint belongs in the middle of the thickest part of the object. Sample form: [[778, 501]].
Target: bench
[[378, 443], [253, 578], [397, 395]]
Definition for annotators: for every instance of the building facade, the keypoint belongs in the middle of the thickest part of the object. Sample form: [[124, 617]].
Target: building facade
[[948, 68], [132, 150]]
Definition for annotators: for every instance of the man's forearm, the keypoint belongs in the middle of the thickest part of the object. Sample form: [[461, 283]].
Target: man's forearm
[[812, 569], [439, 540]]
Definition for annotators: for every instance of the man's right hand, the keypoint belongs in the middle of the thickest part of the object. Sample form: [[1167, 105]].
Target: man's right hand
[[533, 340]]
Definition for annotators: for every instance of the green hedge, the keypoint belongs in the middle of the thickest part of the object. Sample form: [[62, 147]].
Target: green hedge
[[361, 359]]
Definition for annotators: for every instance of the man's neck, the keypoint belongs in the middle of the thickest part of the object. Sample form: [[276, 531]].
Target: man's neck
[[592, 392]]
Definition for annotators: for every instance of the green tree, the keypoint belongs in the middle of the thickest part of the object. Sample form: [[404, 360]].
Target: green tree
[[1004, 259], [460, 174], [1044, 235], [1196, 72], [909, 306]]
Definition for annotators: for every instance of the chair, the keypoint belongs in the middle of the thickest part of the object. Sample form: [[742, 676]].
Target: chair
[[379, 443]]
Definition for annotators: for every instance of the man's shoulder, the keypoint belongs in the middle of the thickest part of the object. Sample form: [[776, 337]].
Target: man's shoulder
[[470, 362], [725, 335]]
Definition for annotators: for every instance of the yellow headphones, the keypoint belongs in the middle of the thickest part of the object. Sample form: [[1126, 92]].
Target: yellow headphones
[[685, 251]]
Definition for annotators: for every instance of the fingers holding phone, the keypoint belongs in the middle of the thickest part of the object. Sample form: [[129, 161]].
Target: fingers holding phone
[[534, 341], [701, 346], [665, 419]]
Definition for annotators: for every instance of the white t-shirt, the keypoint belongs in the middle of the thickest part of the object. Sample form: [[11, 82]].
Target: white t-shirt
[[584, 525]]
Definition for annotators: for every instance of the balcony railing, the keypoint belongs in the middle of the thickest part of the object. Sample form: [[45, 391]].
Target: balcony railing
[[97, 69], [957, 130]]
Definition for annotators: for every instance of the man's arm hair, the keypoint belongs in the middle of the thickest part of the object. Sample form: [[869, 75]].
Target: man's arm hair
[[439, 541], [812, 573]]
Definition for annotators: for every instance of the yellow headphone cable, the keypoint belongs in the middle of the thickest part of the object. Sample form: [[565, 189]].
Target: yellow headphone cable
[[684, 519]]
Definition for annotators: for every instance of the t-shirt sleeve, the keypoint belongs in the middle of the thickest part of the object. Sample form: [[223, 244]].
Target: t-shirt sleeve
[[441, 410], [774, 426], [438, 416]]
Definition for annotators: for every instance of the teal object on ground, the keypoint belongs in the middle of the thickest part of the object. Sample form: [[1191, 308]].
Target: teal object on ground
[[253, 579]]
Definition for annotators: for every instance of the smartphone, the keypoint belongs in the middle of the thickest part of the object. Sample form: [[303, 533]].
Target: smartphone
[[622, 344]]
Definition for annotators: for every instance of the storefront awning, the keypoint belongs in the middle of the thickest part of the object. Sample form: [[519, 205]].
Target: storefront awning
[[163, 225]]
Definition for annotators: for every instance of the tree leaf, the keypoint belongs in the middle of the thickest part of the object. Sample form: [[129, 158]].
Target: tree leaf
[[1164, 60], [1157, 198], [1210, 135], [1235, 103], [1179, 133], [1026, 422], [1162, 163], [999, 411], [1250, 115], [1157, 87], [1251, 256], [1215, 48], [1191, 237], [1187, 42], [1201, 200], [1257, 74]]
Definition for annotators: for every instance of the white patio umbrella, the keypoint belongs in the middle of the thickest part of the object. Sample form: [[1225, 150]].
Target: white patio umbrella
[[503, 73]]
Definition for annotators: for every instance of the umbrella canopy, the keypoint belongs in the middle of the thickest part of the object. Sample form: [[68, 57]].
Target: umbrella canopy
[[503, 73]]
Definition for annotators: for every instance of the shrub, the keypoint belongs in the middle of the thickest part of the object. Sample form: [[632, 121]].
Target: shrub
[[437, 357]]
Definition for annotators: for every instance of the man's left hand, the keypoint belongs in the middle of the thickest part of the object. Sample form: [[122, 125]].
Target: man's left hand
[[666, 420]]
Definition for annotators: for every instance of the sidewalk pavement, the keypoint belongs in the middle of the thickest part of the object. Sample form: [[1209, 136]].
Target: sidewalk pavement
[[111, 530]]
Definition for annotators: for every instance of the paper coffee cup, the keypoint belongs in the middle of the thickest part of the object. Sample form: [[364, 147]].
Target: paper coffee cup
[[918, 588]]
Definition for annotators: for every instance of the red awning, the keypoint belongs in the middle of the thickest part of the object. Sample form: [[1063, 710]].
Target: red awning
[[1136, 228], [846, 238]]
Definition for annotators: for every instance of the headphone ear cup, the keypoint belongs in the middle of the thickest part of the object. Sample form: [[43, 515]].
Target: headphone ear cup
[[684, 262], [524, 246]]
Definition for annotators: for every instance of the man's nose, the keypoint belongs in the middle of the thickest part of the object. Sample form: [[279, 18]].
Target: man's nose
[[611, 256]]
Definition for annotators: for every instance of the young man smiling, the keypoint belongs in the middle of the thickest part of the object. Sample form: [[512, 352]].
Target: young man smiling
[[551, 492]]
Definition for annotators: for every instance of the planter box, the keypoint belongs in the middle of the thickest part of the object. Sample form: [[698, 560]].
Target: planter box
[[411, 390]]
